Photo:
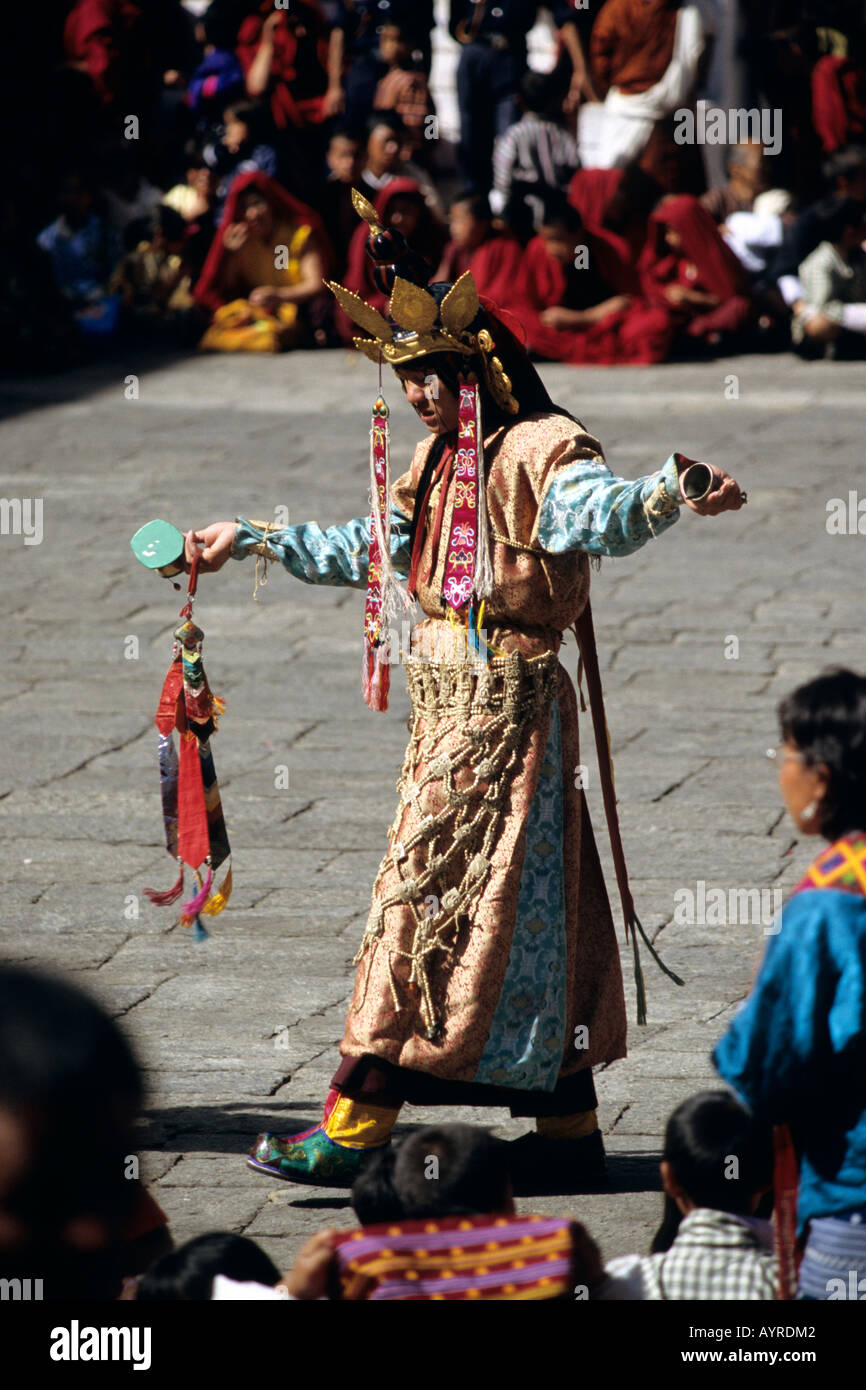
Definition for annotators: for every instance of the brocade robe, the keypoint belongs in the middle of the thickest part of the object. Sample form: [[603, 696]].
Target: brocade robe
[[526, 986]]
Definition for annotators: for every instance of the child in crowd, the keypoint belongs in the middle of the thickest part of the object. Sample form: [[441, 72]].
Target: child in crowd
[[219, 78], [129, 196], [403, 89], [83, 248], [244, 148], [832, 310], [334, 197], [154, 278], [536, 154], [81, 244], [795, 1053], [448, 1188], [195, 200], [493, 256], [70, 1090], [223, 1267], [470, 223], [717, 1163], [383, 160]]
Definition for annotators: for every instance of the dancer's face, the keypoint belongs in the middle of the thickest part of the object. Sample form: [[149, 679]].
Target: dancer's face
[[430, 398]]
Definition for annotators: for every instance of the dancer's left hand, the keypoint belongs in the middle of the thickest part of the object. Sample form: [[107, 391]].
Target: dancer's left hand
[[726, 496]]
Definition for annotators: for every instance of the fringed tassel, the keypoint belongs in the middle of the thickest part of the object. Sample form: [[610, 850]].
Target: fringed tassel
[[482, 577], [217, 709], [376, 676], [190, 910], [168, 896], [199, 931], [217, 900], [637, 928]]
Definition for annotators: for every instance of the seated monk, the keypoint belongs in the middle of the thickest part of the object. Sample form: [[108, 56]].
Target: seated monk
[[578, 298], [687, 268], [616, 202], [493, 257], [262, 279]]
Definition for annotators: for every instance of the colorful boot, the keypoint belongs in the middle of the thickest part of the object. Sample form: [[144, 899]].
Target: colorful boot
[[331, 1154], [566, 1155]]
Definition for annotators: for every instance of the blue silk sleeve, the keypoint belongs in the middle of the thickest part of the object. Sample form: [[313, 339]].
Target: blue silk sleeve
[[585, 507], [337, 555]]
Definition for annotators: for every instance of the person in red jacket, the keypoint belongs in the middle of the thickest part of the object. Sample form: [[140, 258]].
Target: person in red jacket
[[579, 299]]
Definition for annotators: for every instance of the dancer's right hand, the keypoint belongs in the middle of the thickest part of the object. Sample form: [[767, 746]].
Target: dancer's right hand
[[212, 544]]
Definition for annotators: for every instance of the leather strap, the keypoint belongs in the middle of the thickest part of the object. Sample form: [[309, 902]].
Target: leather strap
[[585, 634]]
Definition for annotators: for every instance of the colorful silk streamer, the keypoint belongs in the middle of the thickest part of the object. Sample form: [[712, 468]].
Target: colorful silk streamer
[[195, 831], [376, 672], [460, 563]]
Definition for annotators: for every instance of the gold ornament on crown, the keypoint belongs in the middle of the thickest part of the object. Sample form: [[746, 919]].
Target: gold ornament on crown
[[414, 312]]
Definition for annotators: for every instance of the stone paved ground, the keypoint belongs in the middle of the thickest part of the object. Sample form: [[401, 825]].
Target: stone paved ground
[[241, 1033]]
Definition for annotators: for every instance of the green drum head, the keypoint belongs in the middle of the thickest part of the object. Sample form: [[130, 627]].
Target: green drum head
[[159, 546]]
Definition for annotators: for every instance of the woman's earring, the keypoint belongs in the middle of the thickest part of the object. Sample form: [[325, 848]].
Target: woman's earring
[[808, 812]]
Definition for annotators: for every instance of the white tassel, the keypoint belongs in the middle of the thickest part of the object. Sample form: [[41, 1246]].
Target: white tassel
[[482, 576]]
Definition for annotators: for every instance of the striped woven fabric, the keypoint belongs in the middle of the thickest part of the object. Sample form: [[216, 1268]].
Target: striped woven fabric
[[460, 1257], [842, 866]]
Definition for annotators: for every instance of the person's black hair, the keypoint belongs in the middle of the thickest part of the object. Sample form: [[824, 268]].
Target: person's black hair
[[542, 93], [346, 131], [845, 162], [170, 222], [187, 1274], [477, 203], [373, 1197], [220, 23], [450, 1170], [720, 1156], [557, 211], [391, 119], [826, 719], [255, 116], [847, 212], [66, 1067], [668, 1227]]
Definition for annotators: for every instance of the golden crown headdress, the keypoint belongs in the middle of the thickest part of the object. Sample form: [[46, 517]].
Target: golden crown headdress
[[420, 324]]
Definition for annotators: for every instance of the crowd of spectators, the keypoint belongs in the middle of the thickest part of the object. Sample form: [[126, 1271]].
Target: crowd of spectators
[[185, 171]]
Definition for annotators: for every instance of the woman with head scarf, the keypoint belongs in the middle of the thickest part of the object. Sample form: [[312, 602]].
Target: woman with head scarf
[[687, 269], [488, 972], [262, 280]]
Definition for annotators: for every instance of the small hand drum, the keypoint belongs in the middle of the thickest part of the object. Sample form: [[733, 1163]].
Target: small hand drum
[[159, 546]]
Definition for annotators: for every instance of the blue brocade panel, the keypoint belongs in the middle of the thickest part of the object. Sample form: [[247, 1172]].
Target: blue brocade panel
[[527, 1036]]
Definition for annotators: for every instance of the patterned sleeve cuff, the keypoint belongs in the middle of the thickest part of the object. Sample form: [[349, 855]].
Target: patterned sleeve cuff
[[248, 536], [665, 499]]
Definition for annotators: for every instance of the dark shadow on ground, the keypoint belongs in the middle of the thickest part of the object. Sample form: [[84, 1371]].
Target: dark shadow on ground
[[26, 391], [232, 1128]]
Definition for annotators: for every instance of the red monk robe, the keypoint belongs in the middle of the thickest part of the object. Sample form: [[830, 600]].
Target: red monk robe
[[618, 327], [687, 268]]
